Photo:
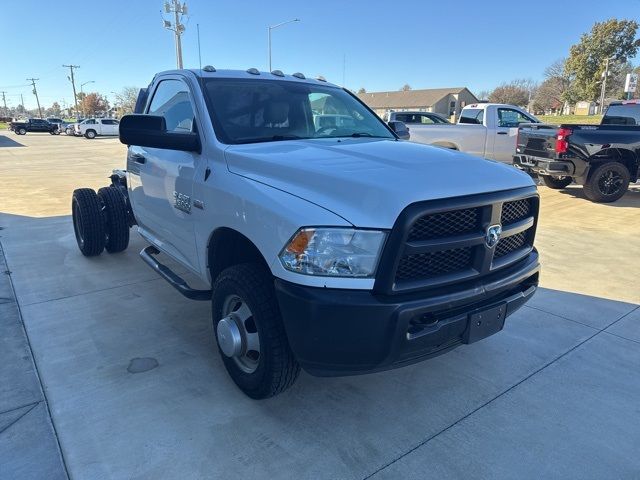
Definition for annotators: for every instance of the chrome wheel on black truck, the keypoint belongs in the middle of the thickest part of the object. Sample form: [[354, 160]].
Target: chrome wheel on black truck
[[88, 221], [250, 333], [607, 183]]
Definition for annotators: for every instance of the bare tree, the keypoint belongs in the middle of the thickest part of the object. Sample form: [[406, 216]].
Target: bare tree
[[362, 90], [405, 88], [126, 99]]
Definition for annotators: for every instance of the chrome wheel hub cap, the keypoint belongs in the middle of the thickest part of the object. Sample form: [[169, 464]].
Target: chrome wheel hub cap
[[238, 335]]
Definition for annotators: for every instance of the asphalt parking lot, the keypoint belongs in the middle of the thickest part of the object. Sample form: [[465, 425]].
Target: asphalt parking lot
[[125, 381]]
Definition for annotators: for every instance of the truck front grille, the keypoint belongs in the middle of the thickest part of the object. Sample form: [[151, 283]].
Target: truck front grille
[[434, 244], [431, 264], [444, 224]]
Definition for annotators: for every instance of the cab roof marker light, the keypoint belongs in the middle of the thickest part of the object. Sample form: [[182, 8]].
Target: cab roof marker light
[[320, 78], [277, 73], [299, 75], [209, 68], [253, 71]]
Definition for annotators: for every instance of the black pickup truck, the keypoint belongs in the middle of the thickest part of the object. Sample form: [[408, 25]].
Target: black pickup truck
[[34, 125], [602, 158]]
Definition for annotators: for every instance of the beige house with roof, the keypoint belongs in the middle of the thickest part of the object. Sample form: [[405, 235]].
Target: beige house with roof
[[445, 101]]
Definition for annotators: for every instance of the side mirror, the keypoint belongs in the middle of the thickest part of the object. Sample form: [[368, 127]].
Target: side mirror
[[151, 131], [399, 128]]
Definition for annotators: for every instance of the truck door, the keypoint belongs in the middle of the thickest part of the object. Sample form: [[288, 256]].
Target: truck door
[[161, 180], [506, 133]]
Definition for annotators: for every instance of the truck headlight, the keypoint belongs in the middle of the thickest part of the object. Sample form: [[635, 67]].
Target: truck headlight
[[334, 252]]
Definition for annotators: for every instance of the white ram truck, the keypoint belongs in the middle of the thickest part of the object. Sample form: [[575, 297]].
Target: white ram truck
[[335, 248], [488, 130]]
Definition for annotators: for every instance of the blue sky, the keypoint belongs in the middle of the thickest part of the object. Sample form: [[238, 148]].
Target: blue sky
[[425, 43]]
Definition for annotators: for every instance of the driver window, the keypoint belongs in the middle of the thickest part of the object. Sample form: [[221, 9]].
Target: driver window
[[426, 120], [171, 101], [510, 118]]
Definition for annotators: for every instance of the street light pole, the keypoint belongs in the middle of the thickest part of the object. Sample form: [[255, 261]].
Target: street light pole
[[269, 34], [82, 85]]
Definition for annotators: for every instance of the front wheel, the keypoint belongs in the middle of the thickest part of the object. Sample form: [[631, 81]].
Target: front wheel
[[556, 183], [607, 183], [90, 134], [250, 333], [21, 131]]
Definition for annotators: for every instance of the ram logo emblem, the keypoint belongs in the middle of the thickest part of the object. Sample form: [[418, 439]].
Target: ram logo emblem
[[493, 235]]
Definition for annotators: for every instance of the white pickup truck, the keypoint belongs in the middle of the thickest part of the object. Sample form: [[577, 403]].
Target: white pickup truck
[[487, 130], [92, 127], [332, 247]]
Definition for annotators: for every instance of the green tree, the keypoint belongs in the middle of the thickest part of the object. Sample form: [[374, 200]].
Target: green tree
[[586, 62], [362, 90]]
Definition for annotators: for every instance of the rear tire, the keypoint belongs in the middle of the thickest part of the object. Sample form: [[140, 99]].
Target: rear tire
[[115, 213], [607, 183], [90, 134], [88, 221], [273, 368], [556, 183]]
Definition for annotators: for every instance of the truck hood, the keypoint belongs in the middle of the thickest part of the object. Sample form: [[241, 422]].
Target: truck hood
[[369, 182]]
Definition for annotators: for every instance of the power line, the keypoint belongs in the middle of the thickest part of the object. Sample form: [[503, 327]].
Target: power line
[[35, 92], [179, 10], [73, 84]]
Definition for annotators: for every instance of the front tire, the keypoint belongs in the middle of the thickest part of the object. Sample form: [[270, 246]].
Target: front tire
[[21, 131], [263, 364], [116, 223], [556, 183], [607, 183], [88, 221], [90, 134]]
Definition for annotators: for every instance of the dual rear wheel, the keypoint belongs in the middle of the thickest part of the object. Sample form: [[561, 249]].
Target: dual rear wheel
[[100, 220]]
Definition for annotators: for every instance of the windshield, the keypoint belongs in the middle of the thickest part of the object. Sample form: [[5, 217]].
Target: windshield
[[251, 111], [622, 114]]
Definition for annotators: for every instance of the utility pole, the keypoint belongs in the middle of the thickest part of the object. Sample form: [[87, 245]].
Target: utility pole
[[603, 90], [73, 84], [35, 92], [22, 102], [177, 27], [4, 100]]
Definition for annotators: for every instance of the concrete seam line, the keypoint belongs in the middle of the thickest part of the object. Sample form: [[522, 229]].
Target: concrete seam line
[[19, 407], [464, 417], [561, 316], [621, 337], [91, 291], [19, 418], [35, 364]]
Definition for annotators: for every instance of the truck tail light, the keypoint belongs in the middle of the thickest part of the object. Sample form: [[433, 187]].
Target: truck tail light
[[562, 145]]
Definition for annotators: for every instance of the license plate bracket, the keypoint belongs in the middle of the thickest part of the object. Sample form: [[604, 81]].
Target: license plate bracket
[[484, 323]]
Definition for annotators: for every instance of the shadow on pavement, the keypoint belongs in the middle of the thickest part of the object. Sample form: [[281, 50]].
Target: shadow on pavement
[[630, 199], [9, 142]]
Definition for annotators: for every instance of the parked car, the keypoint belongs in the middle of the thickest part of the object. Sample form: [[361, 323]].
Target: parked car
[[417, 118], [603, 158], [70, 127], [33, 125], [58, 122], [341, 250], [93, 127], [487, 130]]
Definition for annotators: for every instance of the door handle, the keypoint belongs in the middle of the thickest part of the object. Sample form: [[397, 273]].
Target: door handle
[[503, 133], [138, 158]]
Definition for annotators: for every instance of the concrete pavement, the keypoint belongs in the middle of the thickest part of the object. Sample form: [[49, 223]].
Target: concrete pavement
[[552, 396]]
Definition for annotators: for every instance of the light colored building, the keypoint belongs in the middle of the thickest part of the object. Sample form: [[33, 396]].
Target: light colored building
[[445, 101]]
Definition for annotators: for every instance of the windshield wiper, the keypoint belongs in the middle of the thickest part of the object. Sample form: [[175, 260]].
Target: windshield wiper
[[360, 134]]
